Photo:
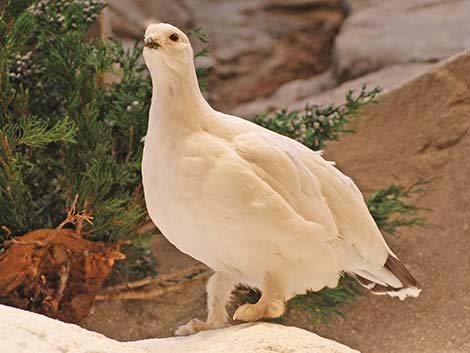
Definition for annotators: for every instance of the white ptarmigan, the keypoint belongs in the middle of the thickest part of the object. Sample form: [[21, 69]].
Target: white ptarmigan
[[255, 206]]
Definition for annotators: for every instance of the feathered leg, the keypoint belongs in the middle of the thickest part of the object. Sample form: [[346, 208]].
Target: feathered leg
[[219, 289], [270, 305]]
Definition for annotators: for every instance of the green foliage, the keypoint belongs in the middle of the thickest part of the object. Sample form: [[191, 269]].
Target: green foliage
[[317, 124], [391, 209], [200, 34], [201, 71], [329, 301], [73, 112], [65, 129]]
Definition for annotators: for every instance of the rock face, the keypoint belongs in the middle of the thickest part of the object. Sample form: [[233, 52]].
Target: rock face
[[292, 39], [318, 90], [258, 45], [288, 94], [25, 332], [129, 18], [388, 78], [420, 130], [384, 33], [385, 43]]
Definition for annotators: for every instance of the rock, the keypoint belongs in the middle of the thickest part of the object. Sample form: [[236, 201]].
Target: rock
[[317, 90], [290, 4], [258, 337], [356, 5], [256, 44], [387, 78], [129, 18], [384, 33], [420, 130], [234, 27], [427, 115], [25, 332], [288, 94], [259, 48]]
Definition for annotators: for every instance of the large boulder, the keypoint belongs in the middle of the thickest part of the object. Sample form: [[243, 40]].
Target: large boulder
[[318, 90], [384, 43], [25, 332], [253, 42], [382, 33], [129, 18], [257, 47], [420, 130], [387, 79], [288, 94]]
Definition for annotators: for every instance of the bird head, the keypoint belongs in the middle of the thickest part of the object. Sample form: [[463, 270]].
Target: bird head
[[166, 48]]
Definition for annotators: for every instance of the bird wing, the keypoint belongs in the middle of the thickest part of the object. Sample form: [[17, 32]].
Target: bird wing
[[316, 190], [281, 169], [355, 224]]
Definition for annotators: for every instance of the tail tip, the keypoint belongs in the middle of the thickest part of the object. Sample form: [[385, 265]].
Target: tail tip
[[407, 292]]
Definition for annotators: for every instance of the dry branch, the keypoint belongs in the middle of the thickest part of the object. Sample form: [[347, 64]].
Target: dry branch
[[54, 272], [152, 287]]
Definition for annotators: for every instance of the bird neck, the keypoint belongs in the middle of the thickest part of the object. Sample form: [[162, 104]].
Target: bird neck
[[177, 101]]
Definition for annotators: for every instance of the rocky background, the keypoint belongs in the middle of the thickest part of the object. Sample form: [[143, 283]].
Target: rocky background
[[270, 54], [278, 52]]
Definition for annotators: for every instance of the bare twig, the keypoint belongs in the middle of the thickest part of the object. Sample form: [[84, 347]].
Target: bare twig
[[152, 287], [72, 217], [20, 242], [6, 230], [75, 218], [82, 216]]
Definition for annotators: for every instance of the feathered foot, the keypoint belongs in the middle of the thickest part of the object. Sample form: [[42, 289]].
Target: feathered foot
[[196, 325], [270, 305], [219, 289], [254, 312]]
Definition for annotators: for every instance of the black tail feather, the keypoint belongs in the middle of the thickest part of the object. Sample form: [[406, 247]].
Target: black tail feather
[[399, 270]]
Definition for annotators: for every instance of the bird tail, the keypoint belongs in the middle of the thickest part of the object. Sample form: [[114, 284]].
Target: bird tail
[[392, 279]]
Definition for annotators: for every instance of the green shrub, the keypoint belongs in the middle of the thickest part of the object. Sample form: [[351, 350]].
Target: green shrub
[[64, 130], [316, 124]]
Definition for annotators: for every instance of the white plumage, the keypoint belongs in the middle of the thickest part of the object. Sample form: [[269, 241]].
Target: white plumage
[[257, 207]]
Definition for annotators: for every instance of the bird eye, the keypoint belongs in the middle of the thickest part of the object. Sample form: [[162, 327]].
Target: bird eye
[[174, 37]]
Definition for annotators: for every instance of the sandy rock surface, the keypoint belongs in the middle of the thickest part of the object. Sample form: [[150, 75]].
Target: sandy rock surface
[[318, 90], [420, 130], [388, 78], [25, 332], [385, 43], [384, 33]]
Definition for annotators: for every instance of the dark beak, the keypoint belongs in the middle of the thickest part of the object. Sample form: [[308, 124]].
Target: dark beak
[[151, 43]]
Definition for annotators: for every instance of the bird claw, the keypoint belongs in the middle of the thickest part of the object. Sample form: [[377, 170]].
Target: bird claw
[[254, 312], [196, 325], [249, 312]]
